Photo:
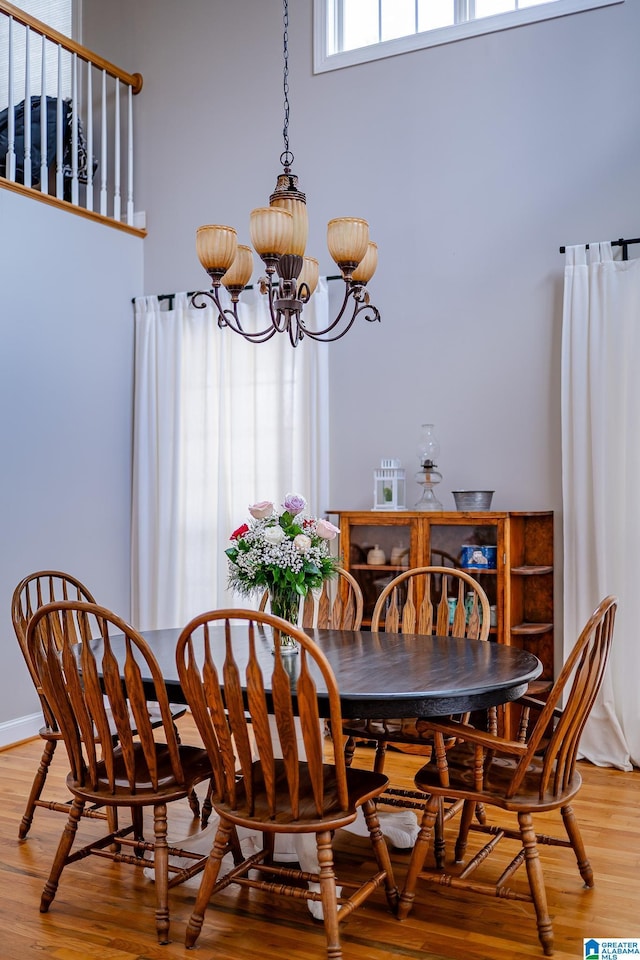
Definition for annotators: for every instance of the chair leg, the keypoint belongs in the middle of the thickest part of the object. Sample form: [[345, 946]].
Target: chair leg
[[381, 851], [209, 877], [112, 823], [577, 843], [194, 803], [207, 806], [349, 750], [36, 788], [381, 753], [468, 810], [161, 871], [536, 882], [327, 879], [438, 836], [62, 853], [418, 856]]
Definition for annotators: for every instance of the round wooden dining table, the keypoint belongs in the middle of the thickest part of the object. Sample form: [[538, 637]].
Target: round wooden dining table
[[387, 674]]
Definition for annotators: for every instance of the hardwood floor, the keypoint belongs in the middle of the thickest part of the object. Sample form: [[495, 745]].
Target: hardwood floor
[[105, 911]]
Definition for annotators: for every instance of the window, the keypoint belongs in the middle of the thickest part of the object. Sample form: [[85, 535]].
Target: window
[[59, 14], [355, 31]]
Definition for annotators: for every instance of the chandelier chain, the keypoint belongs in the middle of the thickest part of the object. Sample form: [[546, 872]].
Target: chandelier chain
[[286, 158]]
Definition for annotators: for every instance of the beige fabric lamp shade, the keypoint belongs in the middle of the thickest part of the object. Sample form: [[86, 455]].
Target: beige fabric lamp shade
[[271, 231], [309, 273], [367, 266], [298, 210], [239, 273], [216, 246], [347, 239]]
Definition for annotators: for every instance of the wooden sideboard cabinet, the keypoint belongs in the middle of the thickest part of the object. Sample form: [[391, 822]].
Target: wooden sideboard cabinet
[[519, 583]]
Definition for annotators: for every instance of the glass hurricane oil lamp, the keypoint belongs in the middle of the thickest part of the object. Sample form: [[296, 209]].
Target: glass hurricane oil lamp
[[428, 476]]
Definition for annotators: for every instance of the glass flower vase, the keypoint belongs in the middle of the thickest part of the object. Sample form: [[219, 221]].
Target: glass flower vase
[[285, 603]]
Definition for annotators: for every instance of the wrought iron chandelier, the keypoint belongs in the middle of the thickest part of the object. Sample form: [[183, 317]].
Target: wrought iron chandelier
[[279, 235]]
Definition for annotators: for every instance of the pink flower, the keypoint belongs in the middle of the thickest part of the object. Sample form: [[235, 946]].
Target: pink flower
[[326, 530], [239, 533], [261, 510], [294, 504]]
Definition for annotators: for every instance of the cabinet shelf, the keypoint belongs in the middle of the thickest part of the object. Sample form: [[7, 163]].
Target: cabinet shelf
[[531, 570]]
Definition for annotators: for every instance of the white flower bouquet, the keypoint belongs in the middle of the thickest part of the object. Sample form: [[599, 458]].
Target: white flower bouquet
[[282, 551]]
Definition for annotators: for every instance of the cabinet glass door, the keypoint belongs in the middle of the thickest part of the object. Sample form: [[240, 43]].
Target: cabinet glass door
[[472, 548], [377, 553]]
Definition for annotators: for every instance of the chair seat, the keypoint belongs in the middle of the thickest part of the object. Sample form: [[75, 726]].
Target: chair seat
[[497, 777], [195, 765], [362, 785]]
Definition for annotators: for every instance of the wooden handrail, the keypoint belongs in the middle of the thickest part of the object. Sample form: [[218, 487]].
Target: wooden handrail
[[134, 80]]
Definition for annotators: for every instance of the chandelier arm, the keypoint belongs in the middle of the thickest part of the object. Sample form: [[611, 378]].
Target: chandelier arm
[[229, 317], [279, 319], [360, 304]]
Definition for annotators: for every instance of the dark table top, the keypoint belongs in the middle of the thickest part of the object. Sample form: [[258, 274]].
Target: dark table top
[[391, 675]]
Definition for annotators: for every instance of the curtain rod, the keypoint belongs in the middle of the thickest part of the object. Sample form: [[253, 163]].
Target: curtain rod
[[190, 293], [615, 243]]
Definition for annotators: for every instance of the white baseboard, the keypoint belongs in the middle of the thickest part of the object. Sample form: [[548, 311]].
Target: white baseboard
[[22, 728]]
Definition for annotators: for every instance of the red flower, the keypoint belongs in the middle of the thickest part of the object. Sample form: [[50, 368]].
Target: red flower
[[239, 533]]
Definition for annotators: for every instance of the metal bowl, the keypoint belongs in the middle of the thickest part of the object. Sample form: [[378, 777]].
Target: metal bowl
[[473, 499]]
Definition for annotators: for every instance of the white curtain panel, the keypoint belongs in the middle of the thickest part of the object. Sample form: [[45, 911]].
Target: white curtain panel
[[600, 478], [219, 423]]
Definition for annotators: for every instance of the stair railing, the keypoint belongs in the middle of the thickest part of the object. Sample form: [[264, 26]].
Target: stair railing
[[63, 130]]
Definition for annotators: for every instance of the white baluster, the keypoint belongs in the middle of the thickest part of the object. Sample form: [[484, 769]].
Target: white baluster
[[89, 197], [59, 145], [11, 127], [103, 148], [27, 110], [44, 168], [116, 156], [74, 130], [130, 157]]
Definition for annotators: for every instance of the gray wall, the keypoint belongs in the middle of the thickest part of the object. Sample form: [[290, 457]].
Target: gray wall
[[66, 365]]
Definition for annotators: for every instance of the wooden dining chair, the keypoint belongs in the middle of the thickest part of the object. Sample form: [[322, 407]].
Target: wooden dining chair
[[523, 778], [47, 586], [272, 782], [338, 605], [417, 601], [90, 664]]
